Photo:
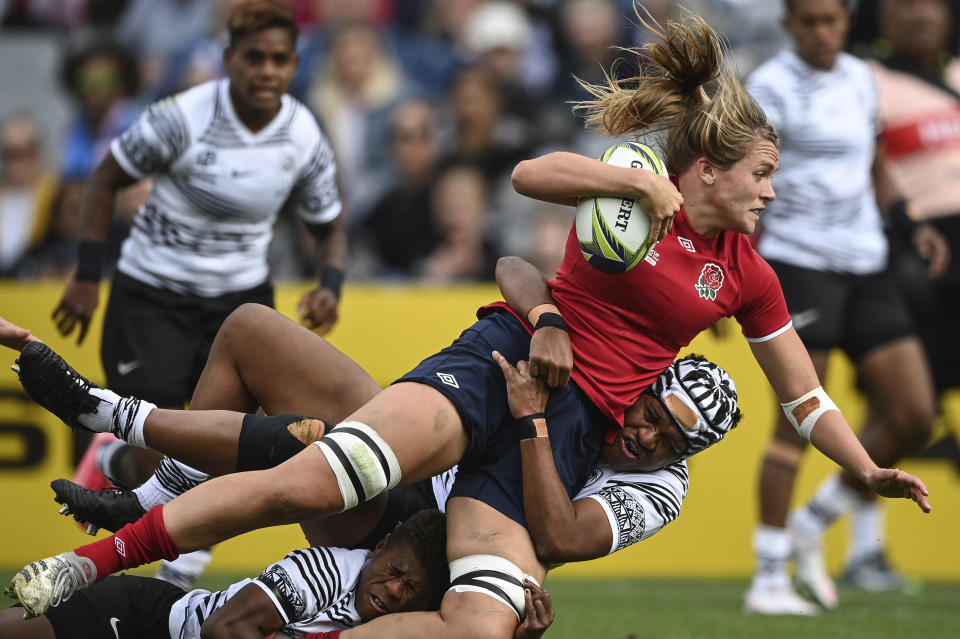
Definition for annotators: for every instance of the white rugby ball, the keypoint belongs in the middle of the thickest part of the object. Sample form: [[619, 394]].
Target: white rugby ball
[[613, 231]]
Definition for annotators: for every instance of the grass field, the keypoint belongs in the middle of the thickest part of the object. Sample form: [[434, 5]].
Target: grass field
[[711, 609]]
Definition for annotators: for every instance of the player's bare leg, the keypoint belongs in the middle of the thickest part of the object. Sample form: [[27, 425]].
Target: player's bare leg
[[261, 358], [771, 591], [903, 409]]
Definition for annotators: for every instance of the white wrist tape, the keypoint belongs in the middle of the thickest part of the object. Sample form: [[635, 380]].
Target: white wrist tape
[[804, 411]]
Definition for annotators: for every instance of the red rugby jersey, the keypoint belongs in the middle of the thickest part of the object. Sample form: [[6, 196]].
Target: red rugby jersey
[[626, 328]]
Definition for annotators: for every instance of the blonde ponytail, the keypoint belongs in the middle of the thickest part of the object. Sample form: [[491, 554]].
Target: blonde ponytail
[[685, 89]]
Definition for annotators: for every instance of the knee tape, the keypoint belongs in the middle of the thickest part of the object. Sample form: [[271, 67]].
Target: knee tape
[[492, 576], [363, 462], [804, 411], [266, 442]]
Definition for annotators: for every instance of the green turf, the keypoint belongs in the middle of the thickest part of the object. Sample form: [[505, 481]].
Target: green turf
[[711, 609]]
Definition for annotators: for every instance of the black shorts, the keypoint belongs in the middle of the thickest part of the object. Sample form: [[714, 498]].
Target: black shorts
[[841, 310], [156, 342], [403, 502], [120, 607], [490, 470], [934, 303]]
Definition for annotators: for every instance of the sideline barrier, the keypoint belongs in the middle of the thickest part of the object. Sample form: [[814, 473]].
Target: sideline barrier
[[388, 330]]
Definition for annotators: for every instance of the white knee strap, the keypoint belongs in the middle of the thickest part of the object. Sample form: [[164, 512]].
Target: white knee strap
[[363, 462], [804, 411], [492, 576]]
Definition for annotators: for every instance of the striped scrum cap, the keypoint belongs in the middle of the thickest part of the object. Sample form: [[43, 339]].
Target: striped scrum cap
[[702, 399]]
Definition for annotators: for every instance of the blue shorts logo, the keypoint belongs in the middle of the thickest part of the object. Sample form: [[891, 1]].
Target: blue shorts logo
[[448, 379]]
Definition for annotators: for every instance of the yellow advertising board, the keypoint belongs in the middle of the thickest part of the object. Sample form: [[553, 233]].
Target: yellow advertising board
[[388, 330]]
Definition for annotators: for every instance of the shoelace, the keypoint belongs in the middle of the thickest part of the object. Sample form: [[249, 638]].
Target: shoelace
[[69, 578]]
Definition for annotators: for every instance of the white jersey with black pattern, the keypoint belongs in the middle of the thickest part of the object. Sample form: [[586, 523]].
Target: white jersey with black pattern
[[313, 589], [218, 188], [638, 504], [825, 216]]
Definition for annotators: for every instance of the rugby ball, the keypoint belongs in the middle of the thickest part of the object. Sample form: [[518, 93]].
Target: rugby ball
[[612, 231]]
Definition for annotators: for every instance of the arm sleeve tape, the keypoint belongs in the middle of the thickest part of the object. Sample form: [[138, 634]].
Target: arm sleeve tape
[[804, 411]]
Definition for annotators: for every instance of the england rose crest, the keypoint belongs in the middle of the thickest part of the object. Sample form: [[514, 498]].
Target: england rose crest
[[711, 279]]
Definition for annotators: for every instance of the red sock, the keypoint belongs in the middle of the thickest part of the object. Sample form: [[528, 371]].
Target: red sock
[[333, 634], [141, 542]]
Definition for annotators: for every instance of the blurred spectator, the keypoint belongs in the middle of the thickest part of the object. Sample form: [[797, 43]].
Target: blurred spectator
[[42, 13], [754, 28], [502, 38], [156, 29], [459, 201], [56, 255], [27, 190], [480, 133], [400, 231], [102, 78], [353, 96], [589, 31], [548, 236]]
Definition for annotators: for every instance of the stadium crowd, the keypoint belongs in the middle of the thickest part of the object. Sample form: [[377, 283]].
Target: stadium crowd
[[428, 105]]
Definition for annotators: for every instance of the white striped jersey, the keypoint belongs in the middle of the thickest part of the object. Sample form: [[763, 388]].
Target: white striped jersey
[[218, 188], [638, 505], [313, 589], [825, 216]]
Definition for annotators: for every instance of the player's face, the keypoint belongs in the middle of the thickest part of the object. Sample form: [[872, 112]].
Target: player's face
[[393, 580], [260, 66], [649, 440], [819, 30], [739, 194]]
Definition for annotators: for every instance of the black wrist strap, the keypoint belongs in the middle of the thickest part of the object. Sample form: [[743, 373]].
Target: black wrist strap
[[528, 427], [901, 223], [331, 278], [551, 319], [89, 261]]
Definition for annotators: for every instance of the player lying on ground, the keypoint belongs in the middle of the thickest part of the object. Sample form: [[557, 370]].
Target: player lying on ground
[[312, 590]]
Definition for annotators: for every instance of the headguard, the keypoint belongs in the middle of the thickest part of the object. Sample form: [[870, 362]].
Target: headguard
[[701, 398]]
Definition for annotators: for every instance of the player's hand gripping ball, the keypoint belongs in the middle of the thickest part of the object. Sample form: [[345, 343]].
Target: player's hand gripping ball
[[613, 231]]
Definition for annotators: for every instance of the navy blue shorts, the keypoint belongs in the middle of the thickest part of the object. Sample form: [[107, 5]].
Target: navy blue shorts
[[490, 470]]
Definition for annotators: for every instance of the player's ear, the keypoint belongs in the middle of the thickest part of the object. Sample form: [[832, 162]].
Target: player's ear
[[382, 543], [706, 171]]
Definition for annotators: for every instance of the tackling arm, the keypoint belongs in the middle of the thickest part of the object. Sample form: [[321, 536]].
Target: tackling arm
[[249, 614], [561, 530], [526, 291]]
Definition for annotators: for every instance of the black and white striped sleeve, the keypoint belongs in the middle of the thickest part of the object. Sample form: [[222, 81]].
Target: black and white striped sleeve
[[315, 197], [638, 505], [151, 143], [310, 581]]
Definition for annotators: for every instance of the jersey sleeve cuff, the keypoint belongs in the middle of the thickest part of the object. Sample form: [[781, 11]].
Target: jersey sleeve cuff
[[124, 162], [611, 520], [769, 337], [273, 598]]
